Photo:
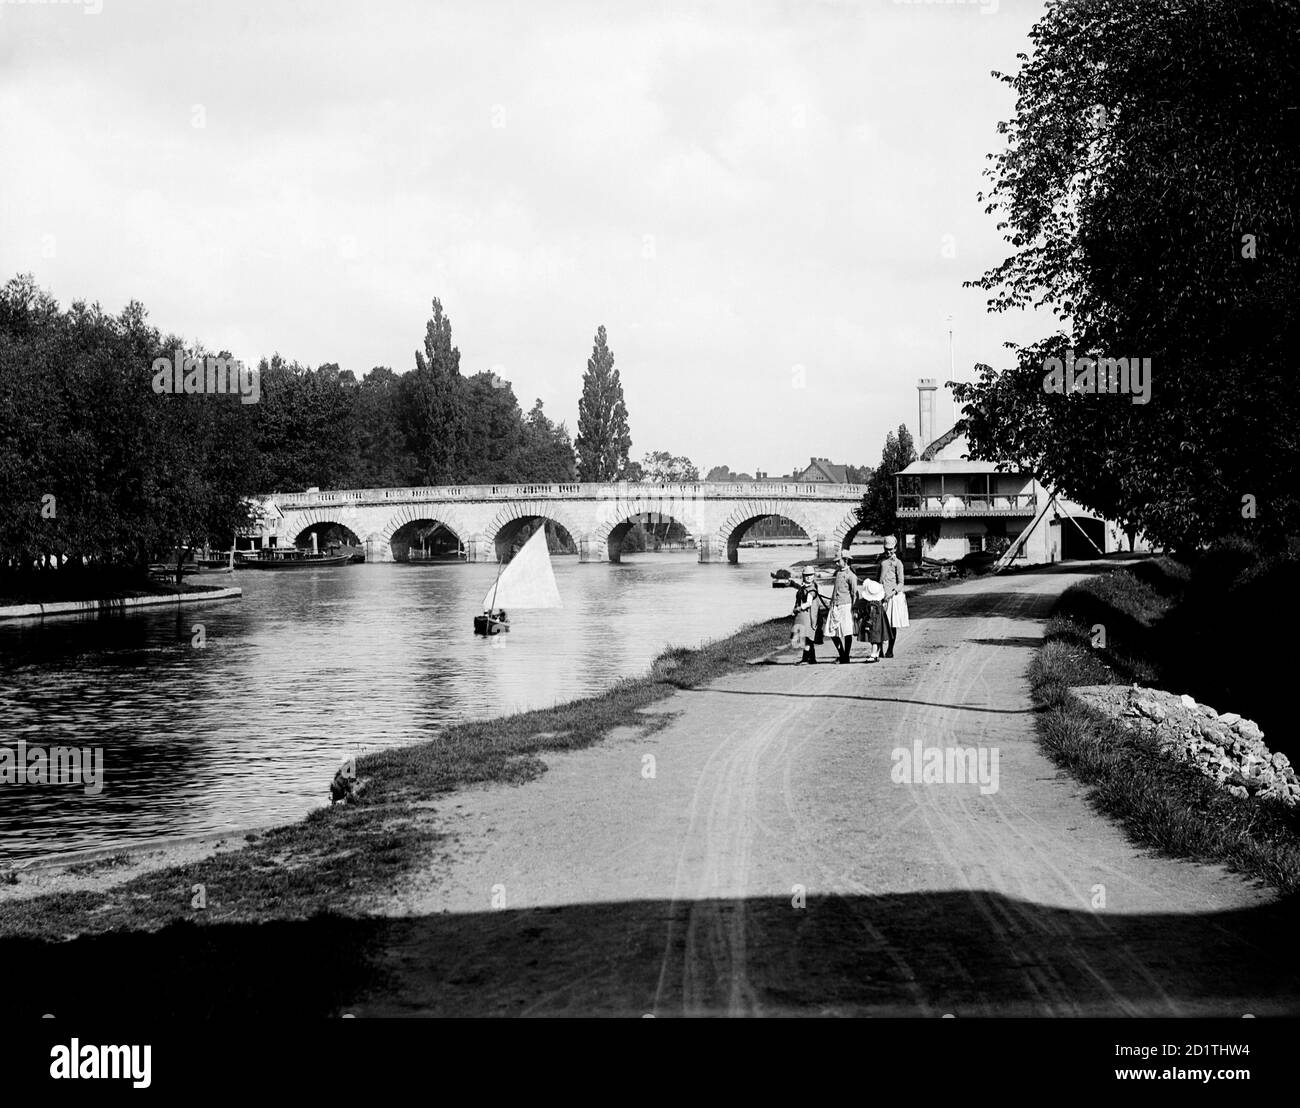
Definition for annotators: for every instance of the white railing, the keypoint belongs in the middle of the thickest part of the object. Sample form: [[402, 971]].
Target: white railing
[[606, 490]]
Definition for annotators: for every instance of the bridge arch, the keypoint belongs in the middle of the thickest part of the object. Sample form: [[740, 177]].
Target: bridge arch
[[499, 536], [744, 515], [606, 538], [301, 536], [844, 531], [429, 537], [408, 519], [298, 526], [613, 538]]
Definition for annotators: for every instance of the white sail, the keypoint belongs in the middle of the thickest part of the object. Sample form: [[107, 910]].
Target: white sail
[[528, 581]]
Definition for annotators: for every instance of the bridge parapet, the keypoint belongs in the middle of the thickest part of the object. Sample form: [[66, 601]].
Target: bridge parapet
[[613, 490]]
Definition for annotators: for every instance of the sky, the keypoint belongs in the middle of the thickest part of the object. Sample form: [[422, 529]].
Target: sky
[[771, 206]]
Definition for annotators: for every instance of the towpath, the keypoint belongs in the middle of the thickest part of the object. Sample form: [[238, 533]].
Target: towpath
[[756, 855]]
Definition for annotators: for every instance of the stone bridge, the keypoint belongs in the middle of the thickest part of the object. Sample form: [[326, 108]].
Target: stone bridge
[[487, 518]]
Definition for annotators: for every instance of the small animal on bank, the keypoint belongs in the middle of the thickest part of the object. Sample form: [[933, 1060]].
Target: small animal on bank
[[343, 786]]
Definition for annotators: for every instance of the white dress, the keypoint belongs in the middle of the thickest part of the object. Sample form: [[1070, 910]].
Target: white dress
[[896, 610], [840, 621], [896, 605]]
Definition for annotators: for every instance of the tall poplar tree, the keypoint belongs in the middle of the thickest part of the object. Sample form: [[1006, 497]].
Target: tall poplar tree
[[434, 398], [603, 438]]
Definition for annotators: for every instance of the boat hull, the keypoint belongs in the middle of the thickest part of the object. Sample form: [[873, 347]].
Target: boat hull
[[305, 562], [488, 625]]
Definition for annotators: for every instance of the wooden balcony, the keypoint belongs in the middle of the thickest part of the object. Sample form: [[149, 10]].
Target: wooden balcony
[[956, 505]]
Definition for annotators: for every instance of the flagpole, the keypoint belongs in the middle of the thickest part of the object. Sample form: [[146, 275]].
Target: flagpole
[[952, 373]]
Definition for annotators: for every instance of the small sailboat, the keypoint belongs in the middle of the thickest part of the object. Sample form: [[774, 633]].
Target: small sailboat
[[527, 581]]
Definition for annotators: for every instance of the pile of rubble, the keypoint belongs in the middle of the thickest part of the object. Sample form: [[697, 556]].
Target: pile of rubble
[[1225, 747]]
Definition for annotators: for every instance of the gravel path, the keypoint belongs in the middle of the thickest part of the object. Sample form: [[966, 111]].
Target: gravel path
[[772, 865]]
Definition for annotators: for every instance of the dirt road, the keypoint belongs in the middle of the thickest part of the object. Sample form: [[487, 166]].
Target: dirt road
[[756, 855]]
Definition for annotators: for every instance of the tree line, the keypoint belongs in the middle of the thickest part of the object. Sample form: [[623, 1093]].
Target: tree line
[[100, 468], [96, 468]]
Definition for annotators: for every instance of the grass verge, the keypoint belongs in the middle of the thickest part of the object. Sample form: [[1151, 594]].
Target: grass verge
[[1161, 803], [339, 858]]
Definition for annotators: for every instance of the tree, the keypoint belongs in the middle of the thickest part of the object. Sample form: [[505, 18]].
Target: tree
[[668, 469], [306, 429], [433, 406], [725, 473], [547, 452], [603, 438], [878, 511], [1149, 198], [493, 431], [382, 458]]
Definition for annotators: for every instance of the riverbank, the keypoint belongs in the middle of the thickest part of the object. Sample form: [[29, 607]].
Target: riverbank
[[343, 858], [115, 600]]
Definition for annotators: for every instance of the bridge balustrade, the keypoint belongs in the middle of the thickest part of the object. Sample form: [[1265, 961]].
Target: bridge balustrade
[[728, 490]]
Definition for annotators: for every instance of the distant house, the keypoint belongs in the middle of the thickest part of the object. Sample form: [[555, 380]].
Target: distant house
[[977, 507], [263, 532], [822, 469]]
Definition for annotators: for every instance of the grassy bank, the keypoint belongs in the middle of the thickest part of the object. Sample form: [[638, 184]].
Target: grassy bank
[[338, 859], [1146, 612]]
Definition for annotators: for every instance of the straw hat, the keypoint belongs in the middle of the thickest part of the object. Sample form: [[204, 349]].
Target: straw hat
[[873, 590], [891, 542], [808, 571]]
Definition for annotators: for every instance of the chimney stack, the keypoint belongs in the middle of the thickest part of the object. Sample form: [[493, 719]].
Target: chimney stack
[[925, 390]]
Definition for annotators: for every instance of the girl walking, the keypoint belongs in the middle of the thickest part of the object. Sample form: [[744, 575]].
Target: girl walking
[[891, 579], [807, 613], [873, 626], [839, 624]]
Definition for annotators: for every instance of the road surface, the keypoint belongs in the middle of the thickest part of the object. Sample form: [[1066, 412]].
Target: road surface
[[757, 856]]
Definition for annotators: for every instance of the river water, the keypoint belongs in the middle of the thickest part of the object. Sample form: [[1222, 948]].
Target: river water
[[312, 666]]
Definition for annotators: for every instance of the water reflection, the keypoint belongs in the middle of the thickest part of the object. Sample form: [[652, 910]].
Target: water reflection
[[314, 665]]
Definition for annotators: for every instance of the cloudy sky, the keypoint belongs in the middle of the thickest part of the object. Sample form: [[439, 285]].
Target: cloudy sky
[[771, 206]]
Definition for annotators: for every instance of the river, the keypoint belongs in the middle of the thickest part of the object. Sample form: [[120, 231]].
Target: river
[[312, 666]]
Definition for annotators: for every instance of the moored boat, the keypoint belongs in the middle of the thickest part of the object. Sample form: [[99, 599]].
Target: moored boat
[[215, 562], [288, 559]]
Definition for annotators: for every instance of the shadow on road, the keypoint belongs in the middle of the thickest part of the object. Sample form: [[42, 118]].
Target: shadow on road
[[969, 953], [814, 694], [1031, 641]]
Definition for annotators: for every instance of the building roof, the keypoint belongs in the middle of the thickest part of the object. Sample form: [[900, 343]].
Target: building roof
[[835, 473], [950, 465]]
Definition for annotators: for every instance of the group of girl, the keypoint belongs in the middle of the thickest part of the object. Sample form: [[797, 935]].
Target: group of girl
[[873, 610]]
